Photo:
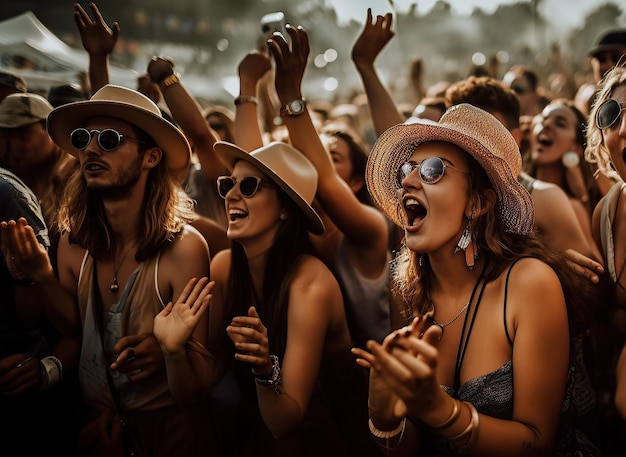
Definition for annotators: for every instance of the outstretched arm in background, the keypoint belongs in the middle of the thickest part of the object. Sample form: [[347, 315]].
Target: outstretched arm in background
[[98, 40], [364, 227], [187, 114], [373, 38], [247, 129]]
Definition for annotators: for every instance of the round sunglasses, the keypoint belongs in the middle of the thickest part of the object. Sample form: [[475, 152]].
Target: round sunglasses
[[248, 185], [108, 139], [431, 170], [608, 113]]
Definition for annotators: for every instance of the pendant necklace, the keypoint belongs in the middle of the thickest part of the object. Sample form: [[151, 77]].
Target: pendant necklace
[[114, 285], [442, 326]]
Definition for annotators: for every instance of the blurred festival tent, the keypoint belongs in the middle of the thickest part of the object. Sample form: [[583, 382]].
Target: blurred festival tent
[[30, 49]]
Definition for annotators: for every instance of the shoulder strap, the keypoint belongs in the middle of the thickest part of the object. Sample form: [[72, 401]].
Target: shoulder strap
[[506, 289]]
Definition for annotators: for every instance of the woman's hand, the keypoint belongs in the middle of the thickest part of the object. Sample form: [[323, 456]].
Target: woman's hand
[[250, 338], [290, 62], [373, 38], [403, 372]]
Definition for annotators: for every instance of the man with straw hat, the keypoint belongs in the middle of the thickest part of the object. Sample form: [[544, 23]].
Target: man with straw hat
[[127, 250]]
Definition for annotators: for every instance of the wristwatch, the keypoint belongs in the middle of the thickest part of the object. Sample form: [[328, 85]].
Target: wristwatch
[[294, 107]]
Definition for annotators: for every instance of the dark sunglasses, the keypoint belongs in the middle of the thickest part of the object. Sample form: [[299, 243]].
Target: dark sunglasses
[[604, 57], [608, 113], [519, 90], [108, 139], [431, 170], [248, 185]]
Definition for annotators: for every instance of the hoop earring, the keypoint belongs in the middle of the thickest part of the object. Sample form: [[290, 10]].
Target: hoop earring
[[467, 245]]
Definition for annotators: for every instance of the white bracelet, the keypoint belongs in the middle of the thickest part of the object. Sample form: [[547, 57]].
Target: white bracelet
[[51, 370], [386, 434]]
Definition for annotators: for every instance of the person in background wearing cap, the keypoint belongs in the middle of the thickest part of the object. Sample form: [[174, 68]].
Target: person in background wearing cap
[[277, 318], [65, 93], [11, 84], [482, 366], [31, 154], [610, 49], [39, 342], [126, 252]]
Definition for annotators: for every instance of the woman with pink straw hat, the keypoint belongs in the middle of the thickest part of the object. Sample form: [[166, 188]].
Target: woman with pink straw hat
[[482, 366]]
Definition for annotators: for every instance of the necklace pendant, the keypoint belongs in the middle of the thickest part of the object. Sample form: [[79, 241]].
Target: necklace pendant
[[114, 287]]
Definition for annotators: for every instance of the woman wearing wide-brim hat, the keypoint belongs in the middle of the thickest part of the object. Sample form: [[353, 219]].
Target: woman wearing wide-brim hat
[[277, 311], [482, 366]]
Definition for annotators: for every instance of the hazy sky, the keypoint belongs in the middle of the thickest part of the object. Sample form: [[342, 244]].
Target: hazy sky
[[569, 12]]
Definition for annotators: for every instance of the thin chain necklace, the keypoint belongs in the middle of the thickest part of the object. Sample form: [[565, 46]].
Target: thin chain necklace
[[442, 326], [114, 285]]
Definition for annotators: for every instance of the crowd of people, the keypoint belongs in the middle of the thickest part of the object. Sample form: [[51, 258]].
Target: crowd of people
[[289, 277]]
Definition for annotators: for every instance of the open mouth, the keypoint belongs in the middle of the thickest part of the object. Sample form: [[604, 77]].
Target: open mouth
[[415, 212], [236, 214], [93, 167], [544, 140]]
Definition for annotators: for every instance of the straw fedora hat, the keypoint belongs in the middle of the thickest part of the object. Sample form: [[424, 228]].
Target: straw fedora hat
[[130, 106], [287, 167], [473, 130]]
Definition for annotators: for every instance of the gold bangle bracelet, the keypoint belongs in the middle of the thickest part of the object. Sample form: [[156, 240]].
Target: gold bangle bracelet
[[454, 415], [169, 81], [471, 430]]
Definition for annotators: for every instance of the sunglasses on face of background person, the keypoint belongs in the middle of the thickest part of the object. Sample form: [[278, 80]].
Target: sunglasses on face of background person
[[248, 185], [604, 57], [609, 113], [108, 139], [431, 170]]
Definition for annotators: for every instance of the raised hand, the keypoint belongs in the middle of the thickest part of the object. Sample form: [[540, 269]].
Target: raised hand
[[160, 67], [174, 325], [290, 62], [373, 38], [252, 68], [97, 37]]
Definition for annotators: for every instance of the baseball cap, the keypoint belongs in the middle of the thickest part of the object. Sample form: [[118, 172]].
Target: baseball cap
[[18, 110], [13, 81], [613, 40]]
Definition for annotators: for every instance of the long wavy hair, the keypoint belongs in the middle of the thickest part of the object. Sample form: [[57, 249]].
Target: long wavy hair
[[412, 282], [596, 151], [291, 244], [165, 210]]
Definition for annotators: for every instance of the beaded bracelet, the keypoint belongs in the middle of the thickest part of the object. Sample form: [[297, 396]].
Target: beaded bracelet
[[273, 377], [386, 434]]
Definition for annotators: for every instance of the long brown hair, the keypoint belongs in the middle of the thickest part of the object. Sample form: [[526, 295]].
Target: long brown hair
[[412, 281], [166, 209]]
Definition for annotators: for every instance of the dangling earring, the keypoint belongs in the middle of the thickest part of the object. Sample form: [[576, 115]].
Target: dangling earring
[[467, 245]]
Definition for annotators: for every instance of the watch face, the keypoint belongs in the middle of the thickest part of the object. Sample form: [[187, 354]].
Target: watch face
[[295, 107]]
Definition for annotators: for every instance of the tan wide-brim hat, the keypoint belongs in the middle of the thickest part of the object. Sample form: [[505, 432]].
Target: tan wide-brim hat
[[127, 105], [473, 130], [288, 168]]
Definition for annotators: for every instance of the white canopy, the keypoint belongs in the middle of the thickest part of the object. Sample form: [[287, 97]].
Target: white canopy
[[29, 49]]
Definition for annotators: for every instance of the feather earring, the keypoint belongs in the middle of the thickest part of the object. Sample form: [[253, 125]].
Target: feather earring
[[466, 244]]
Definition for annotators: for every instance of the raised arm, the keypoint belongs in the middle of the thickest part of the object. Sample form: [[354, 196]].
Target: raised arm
[[251, 69], [98, 40], [373, 38], [187, 114], [362, 224]]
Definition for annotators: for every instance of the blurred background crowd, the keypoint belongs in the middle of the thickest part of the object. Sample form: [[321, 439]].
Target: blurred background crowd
[[208, 38]]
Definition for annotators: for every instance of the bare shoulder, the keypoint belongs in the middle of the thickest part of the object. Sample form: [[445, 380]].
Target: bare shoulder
[[548, 193], [70, 255], [533, 285], [220, 266], [312, 276]]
